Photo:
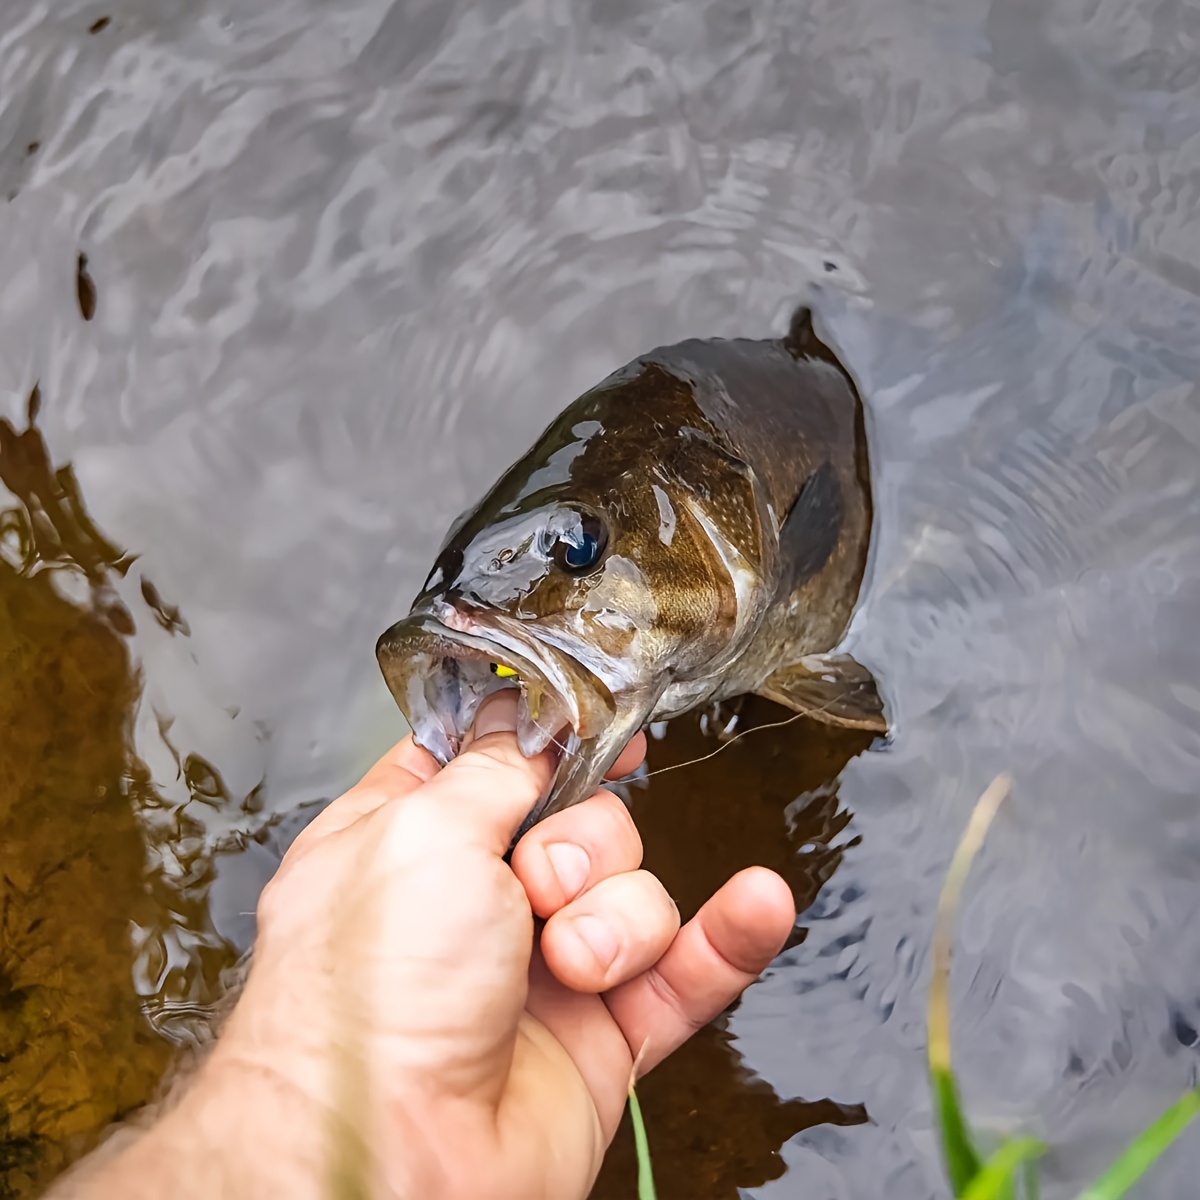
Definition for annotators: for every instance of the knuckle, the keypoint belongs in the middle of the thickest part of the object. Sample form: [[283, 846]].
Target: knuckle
[[664, 992]]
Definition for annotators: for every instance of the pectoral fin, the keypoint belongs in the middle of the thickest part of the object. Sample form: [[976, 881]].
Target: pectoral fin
[[832, 688], [810, 532]]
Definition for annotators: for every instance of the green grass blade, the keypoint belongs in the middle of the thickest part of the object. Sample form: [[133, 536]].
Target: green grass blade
[[1144, 1150], [1029, 1179], [994, 1180], [958, 1150], [642, 1144]]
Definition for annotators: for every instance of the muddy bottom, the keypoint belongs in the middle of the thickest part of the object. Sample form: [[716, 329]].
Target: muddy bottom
[[102, 880], [75, 1048], [767, 798]]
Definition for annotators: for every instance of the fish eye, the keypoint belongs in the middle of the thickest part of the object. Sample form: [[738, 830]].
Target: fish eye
[[582, 548]]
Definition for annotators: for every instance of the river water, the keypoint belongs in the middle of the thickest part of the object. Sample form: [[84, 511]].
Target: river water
[[347, 259]]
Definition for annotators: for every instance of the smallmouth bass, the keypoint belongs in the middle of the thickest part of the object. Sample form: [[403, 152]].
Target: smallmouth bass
[[693, 528]]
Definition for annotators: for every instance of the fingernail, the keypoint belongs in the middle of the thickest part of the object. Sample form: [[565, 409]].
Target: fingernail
[[497, 714], [571, 864], [598, 938]]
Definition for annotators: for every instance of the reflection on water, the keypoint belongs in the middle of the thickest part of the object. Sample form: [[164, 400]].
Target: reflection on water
[[107, 953], [351, 258], [713, 1126], [51, 526], [75, 1048]]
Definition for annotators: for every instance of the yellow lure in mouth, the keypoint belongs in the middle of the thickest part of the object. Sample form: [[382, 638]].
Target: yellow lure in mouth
[[533, 696]]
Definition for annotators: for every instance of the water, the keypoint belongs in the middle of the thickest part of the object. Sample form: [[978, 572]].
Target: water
[[348, 259]]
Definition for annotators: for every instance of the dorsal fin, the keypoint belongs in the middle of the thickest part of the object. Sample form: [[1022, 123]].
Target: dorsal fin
[[801, 340], [800, 334]]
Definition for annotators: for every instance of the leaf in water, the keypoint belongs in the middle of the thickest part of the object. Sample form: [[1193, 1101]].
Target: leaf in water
[[1144, 1150], [167, 615], [994, 1180], [85, 288]]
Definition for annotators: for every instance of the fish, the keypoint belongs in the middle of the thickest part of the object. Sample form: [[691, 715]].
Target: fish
[[692, 529]]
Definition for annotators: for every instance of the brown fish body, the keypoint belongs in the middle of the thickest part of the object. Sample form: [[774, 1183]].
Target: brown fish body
[[693, 528]]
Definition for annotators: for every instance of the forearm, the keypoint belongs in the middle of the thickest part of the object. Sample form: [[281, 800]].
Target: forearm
[[237, 1132]]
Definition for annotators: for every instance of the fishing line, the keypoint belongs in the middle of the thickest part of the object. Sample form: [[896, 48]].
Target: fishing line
[[808, 712], [691, 762]]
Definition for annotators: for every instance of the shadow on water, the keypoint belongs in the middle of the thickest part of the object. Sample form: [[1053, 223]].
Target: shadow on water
[[768, 798]]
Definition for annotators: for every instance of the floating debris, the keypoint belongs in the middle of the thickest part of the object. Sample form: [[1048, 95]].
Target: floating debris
[[85, 288], [167, 615]]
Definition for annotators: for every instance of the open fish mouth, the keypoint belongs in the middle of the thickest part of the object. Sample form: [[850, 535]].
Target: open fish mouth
[[440, 667]]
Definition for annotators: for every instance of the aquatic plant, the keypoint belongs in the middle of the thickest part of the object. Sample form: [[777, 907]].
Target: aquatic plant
[[642, 1144], [1010, 1171]]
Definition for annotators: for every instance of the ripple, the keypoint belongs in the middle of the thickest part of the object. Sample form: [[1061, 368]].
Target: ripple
[[349, 259]]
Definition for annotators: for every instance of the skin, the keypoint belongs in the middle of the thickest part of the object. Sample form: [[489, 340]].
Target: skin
[[730, 481], [423, 1019]]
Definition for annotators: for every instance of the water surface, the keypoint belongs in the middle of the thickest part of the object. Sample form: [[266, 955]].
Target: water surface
[[347, 260]]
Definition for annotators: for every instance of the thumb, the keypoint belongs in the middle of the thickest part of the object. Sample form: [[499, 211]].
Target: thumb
[[490, 787]]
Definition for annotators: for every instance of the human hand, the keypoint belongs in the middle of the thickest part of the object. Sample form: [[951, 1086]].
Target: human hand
[[406, 1029]]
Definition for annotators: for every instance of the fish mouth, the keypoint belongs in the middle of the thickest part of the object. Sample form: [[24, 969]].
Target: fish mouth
[[440, 666]]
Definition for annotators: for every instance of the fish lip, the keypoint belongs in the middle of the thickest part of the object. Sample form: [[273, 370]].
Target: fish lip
[[413, 651]]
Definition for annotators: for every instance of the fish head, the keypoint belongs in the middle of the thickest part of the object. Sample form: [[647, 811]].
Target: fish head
[[602, 571]]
